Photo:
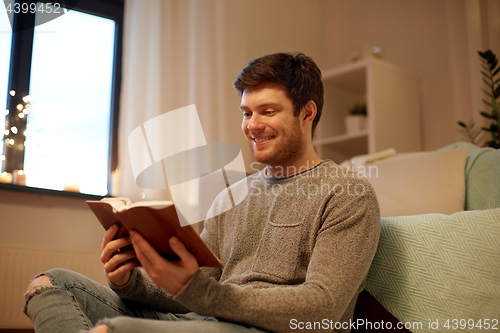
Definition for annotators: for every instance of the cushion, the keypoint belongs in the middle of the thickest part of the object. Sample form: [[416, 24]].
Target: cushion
[[359, 160], [439, 267], [420, 183], [482, 179]]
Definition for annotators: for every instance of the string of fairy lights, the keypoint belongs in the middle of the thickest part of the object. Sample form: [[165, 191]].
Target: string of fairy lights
[[14, 136]]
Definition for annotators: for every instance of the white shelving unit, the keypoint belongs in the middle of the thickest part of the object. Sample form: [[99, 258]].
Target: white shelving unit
[[392, 95]]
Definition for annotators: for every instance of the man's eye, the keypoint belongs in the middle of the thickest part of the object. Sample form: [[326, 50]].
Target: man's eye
[[247, 114], [268, 112]]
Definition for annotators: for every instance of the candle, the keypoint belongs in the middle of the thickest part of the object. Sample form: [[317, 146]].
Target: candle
[[5, 177], [72, 187], [19, 177]]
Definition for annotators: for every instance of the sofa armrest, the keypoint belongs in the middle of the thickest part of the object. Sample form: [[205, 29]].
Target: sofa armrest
[[438, 267]]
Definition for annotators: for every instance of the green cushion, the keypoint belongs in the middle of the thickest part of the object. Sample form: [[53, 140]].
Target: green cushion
[[482, 176], [438, 267]]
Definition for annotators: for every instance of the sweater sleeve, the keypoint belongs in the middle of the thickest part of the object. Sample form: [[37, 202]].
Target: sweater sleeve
[[344, 249], [141, 289]]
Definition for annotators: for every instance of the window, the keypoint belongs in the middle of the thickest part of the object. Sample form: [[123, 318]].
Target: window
[[62, 95], [5, 42]]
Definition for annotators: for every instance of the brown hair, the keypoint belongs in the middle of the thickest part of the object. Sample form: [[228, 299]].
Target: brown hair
[[297, 72]]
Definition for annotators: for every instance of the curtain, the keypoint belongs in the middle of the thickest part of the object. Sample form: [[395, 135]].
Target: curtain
[[473, 25], [174, 55]]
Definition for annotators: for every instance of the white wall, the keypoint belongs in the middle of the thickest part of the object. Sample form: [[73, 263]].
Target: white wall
[[48, 221], [437, 40]]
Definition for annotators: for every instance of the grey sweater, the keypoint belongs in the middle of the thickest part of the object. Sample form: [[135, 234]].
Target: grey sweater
[[296, 253]]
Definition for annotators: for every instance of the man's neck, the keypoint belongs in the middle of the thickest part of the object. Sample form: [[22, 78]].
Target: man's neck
[[305, 162]]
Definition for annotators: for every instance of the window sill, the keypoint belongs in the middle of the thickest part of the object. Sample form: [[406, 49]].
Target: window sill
[[43, 191]]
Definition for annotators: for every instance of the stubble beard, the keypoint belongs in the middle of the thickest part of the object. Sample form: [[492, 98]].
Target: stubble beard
[[286, 151]]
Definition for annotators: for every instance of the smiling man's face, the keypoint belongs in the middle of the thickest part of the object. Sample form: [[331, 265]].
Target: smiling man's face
[[275, 135]]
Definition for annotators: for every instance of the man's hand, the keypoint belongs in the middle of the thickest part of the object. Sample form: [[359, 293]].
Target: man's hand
[[117, 264], [169, 275]]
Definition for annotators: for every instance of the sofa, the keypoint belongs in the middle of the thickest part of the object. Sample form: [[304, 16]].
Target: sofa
[[437, 266]]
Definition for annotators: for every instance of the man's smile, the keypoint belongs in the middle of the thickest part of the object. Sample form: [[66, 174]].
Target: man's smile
[[262, 139]]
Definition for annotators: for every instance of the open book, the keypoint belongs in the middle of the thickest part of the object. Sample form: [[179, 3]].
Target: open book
[[157, 221]]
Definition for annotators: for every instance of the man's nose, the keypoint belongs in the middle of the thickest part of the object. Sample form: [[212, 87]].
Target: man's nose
[[256, 123]]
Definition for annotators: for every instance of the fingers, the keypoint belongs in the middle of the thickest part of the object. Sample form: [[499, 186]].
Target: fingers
[[120, 266], [181, 250], [146, 254], [109, 235], [169, 275], [118, 261], [121, 275], [113, 247]]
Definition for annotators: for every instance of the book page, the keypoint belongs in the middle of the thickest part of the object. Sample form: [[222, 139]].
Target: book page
[[151, 204], [120, 204]]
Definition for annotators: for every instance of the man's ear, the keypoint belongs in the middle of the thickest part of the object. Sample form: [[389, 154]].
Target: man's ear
[[310, 111]]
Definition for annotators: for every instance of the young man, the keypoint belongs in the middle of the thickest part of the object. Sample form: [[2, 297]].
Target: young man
[[296, 251]]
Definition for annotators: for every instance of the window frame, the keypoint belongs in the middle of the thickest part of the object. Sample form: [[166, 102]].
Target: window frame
[[19, 80]]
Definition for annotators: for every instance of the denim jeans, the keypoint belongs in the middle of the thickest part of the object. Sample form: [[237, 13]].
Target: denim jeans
[[75, 303]]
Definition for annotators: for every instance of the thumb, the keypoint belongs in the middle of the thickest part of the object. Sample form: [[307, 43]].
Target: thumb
[[180, 249]]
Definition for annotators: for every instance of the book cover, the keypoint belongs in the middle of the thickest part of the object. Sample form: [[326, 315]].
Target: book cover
[[157, 221]]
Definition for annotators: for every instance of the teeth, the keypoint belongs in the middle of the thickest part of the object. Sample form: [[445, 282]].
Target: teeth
[[263, 139]]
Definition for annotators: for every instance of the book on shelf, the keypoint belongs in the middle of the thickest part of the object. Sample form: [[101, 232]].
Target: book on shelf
[[156, 221]]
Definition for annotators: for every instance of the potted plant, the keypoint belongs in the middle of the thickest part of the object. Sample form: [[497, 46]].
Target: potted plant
[[490, 73], [355, 121]]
